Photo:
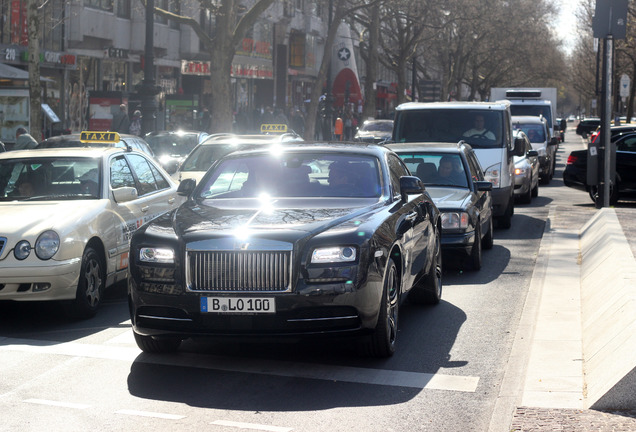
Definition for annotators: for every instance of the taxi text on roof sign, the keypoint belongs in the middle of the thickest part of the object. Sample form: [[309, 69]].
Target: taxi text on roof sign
[[274, 128], [90, 136]]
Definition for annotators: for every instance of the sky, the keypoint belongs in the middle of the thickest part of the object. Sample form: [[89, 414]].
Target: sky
[[566, 24]]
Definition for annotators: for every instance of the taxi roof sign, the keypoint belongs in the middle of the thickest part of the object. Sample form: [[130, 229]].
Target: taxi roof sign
[[273, 128], [99, 137]]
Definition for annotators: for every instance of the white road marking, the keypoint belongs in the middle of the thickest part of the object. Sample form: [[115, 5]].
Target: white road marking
[[150, 414], [256, 366], [251, 426], [57, 403]]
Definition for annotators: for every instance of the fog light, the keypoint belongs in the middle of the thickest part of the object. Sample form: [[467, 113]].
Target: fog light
[[41, 286]]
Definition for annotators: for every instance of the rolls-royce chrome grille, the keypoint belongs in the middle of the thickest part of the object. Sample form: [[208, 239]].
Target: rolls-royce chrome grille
[[239, 271]]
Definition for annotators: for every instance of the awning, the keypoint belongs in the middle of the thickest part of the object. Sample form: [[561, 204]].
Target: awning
[[10, 72]]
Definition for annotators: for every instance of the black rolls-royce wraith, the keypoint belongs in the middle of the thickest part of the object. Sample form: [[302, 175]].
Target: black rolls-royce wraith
[[296, 239]]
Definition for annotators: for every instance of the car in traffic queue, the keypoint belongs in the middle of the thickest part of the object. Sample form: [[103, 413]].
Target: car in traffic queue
[[526, 170], [172, 147], [538, 132], [455, 180], [218, 145], [67, 217], [587, 126], [374, 131], [76, 140], [623, 185], [301, 239]]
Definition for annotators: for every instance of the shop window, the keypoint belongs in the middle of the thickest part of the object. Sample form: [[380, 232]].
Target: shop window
[[106, 5], [123, 8], [289, 8], [297, 49]]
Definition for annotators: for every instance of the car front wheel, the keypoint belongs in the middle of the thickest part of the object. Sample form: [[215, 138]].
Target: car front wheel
[[156, 346], [90, 286]]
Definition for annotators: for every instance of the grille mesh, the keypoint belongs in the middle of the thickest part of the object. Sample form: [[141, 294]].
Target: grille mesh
[[239, 271]]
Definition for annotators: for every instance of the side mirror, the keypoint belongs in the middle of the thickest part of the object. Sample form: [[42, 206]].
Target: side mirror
[[186, 187], [554, 141], [410, 185], [520, 147], [124, 194], [483, 186], [532, 153]]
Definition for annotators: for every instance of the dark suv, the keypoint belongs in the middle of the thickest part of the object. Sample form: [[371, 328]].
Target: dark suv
[[587, 126]]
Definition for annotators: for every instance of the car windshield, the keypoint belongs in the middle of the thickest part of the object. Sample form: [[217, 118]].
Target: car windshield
[[480, 128], [377, 127], [61, 178], [437, 169], [172, 144], [295, 175], [203, 156], [535, 132], [532, 110]]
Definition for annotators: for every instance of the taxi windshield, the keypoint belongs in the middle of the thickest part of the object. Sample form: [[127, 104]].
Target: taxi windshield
[[51, 178]]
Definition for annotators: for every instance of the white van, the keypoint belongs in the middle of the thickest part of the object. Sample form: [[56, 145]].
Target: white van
[[486, 126]]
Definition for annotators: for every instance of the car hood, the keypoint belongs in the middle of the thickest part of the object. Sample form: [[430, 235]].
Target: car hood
[[373, 134], [284, 219], [449, 197], [36, 217]]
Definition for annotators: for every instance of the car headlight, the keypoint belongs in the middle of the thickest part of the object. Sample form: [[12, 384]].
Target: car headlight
[[47, 245], [156, 255], [493, 174], [520, 171], [333, 254], [455, 220], [22, 250]]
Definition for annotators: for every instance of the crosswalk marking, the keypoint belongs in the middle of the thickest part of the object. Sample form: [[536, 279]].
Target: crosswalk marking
[[57, 403], [150, 414], [252, 426], [418, 380]]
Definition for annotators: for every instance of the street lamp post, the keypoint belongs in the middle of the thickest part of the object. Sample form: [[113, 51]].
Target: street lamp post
[[148, 90]]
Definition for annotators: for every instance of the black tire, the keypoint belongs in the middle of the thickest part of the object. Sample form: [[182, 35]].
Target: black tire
[[489, 239], [429, 288], [535, 190], [594, 194], [156, 346], [505, 221], [90, 287], [475, 253], [381, 343], [526, 198]]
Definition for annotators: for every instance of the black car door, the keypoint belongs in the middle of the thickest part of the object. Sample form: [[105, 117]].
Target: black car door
[[626, 162]]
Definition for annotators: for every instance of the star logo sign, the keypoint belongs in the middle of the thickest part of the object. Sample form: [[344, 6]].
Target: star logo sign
[[344, 54]]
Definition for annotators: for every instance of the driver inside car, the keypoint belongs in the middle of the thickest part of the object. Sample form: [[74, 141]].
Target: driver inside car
[[479, 129]]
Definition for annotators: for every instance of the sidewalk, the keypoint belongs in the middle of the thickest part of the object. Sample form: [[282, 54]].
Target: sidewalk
[[544, 388]]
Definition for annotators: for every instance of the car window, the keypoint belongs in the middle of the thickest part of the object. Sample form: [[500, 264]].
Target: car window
[[294, 175], [162, 183], [536, 132], [437, 169], [202, 157], [627, 144], [397, 169], [51, 178], [475, 168], [121, 174], [142, 169]]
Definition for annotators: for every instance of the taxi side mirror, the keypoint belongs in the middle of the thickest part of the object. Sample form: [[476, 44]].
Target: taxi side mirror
[[125, 194]]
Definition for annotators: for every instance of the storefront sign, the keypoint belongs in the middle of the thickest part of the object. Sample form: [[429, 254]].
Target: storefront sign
[[238, 70], [195, 68], [117, 53], [51, 57], [254, 48]]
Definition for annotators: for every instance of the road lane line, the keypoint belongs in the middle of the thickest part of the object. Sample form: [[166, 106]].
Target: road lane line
[[418, 380], [57, 403], [150, 414], [252, 426]]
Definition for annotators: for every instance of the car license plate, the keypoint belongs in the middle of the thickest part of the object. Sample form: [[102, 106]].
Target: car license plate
[[238, 305]]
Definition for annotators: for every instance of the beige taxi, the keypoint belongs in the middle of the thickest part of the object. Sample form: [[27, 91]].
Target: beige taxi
[[66, 218]]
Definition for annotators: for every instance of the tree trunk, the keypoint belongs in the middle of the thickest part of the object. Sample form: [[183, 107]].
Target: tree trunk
[[632, 92], [221, 106], [370, 91], [35, 89]]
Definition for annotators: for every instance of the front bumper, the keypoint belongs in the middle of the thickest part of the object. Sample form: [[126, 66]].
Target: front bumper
[[453, 243], [49, 280]]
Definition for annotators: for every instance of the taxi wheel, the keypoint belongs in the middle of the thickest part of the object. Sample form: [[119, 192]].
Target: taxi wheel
[[90, 286]]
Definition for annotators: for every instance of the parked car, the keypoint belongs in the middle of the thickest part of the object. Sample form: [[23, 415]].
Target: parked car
[[218, 145], [575, 173], [615, 131], [526, 171], [293, 240], [454, 179], [172, 147], [587, 126], [374, 131], [67, 216], [115, 139], [538, 133]]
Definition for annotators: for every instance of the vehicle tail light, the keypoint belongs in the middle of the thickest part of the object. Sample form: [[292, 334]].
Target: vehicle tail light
[[572, 159]]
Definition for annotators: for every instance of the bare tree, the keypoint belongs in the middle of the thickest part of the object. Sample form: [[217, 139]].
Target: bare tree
[[35, 88]]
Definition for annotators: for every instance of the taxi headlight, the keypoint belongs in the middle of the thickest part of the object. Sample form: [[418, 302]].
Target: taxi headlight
[[333, 254], [47, 245], [156, 255], [22, 250]]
